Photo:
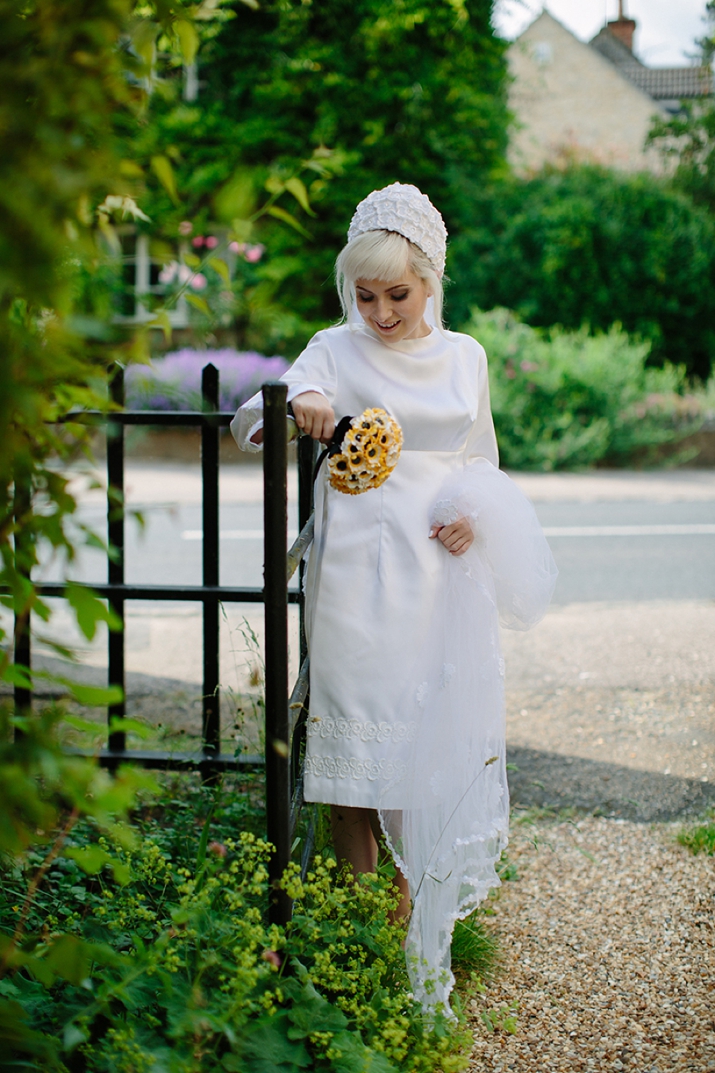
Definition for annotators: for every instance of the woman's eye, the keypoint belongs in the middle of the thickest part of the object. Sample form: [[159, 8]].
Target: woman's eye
[[399, 297], [364, 298]]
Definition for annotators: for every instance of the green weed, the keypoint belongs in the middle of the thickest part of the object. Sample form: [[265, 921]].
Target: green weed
[[700, 838]]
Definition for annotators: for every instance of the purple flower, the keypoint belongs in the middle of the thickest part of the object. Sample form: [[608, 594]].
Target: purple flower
[[174, 381]]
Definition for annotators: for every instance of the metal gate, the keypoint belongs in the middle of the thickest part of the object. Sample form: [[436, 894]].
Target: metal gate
[[285, 714]]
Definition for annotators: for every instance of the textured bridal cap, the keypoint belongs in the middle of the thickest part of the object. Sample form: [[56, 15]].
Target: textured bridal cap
[[406, 210]]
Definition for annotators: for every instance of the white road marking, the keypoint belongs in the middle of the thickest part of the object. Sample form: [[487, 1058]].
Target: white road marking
[[232, 534], [696, 529]]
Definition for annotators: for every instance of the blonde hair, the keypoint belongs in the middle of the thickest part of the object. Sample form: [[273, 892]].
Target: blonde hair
[[384, 255]]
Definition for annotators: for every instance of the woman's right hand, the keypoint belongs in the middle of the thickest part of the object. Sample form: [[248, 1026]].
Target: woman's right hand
[[314, 415]]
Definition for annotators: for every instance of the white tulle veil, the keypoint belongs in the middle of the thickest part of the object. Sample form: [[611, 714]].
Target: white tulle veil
[[446, 817]]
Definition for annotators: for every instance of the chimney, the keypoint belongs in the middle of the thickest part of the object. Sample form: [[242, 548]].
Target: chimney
[[623, 28]]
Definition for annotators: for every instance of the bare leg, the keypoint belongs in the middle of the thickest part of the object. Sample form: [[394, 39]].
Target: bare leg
[[353, 838], [357, 838], [404, 905]]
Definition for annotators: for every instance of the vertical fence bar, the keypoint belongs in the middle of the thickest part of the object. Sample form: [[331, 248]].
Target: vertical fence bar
[[115, 562], [210, 510], [22, 651], [275, 522], [306, 461]]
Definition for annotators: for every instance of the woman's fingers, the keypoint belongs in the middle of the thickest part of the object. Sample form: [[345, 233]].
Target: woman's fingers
[[457, 537], [314, 415]]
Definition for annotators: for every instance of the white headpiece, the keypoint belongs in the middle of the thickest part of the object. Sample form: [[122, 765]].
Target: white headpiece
[[406, 210]]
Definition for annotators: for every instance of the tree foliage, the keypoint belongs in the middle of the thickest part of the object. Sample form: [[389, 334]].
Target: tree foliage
[[407, 91], [587, 246], [686, 140]]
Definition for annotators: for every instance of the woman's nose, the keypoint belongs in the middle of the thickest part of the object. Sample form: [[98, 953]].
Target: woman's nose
[[384, 310]]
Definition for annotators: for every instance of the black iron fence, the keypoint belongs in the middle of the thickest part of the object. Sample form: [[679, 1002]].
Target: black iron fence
[[285, 714]]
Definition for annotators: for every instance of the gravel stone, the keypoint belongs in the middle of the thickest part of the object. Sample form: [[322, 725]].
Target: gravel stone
[[608, 952]]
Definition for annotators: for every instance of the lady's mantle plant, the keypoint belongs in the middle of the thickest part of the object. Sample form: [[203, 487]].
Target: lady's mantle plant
[[180, 972]]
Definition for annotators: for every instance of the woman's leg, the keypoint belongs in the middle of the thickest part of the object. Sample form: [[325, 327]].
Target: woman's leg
[[404, 905], [353, 838], [356, 837]]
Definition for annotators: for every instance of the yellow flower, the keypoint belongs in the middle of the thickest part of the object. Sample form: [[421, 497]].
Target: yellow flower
[[368, 455]]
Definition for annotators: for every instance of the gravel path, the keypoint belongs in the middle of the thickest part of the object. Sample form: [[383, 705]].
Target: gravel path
[[607, 933], [608, 953]]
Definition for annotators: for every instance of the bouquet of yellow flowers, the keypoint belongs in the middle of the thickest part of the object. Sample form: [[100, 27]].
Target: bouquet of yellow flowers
[[368, 453]]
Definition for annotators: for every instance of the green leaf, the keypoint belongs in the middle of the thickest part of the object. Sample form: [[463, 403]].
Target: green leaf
[[220, 266], [17, 675], [198, 303], [71, 958], [164, 172], [299, 192], [91, 859], [192, 260], [204, 840], [85, 725], [16, 1034], [72, 1037], [237, 198], [94, 696], [188, 39], [241, 230], [130, 726], [90, 610], [161, 320], [281, 214], [268, 1050]]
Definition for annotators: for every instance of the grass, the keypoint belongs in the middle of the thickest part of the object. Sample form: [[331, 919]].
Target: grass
[[699, 838]]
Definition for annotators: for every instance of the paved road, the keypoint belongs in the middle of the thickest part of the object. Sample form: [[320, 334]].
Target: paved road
[[610, 700], [637, 539]]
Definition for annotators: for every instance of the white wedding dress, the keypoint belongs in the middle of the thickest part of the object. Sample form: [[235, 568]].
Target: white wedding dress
[[406, 677]]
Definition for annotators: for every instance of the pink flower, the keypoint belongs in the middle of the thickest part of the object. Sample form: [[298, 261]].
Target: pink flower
[[198, 241], [168, 273], [272, 958], [529, 366], [254, 253], [237, 247], [184, 274], [186, 227], [199, 282], [218, 848], [211, 242]]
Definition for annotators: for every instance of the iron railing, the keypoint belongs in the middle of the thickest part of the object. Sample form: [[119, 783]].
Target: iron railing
[[285, 715]]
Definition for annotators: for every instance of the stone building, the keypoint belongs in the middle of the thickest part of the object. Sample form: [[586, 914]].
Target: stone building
[[590, 101]]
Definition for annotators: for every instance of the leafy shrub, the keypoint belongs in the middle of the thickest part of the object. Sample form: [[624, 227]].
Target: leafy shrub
[[174, 381], [174, 968], [584, 245], [569, 399]]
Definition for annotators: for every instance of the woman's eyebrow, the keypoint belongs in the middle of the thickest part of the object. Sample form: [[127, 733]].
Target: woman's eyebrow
[[397, 287]]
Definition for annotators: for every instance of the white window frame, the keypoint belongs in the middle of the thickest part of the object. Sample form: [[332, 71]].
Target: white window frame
[[141, 259]]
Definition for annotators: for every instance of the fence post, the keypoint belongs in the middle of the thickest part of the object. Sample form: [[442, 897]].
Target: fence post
[[210, 523], [275, 574], [22, 650], [115, 562]]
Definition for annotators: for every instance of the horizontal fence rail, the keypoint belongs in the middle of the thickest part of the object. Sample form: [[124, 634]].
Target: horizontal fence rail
[[285, 715]]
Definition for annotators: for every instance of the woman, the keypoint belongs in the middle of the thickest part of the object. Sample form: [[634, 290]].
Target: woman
[[405, 584]]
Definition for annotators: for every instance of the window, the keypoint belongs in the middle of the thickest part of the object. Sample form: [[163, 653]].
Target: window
[[140, 275]]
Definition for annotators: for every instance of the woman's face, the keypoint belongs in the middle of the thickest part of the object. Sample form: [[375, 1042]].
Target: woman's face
[[394, 310]]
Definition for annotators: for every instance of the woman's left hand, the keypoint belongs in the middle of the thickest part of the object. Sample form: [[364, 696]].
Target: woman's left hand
[[457, 537]]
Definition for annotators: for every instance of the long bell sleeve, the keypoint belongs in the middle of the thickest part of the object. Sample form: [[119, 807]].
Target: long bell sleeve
[[313, 370]]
